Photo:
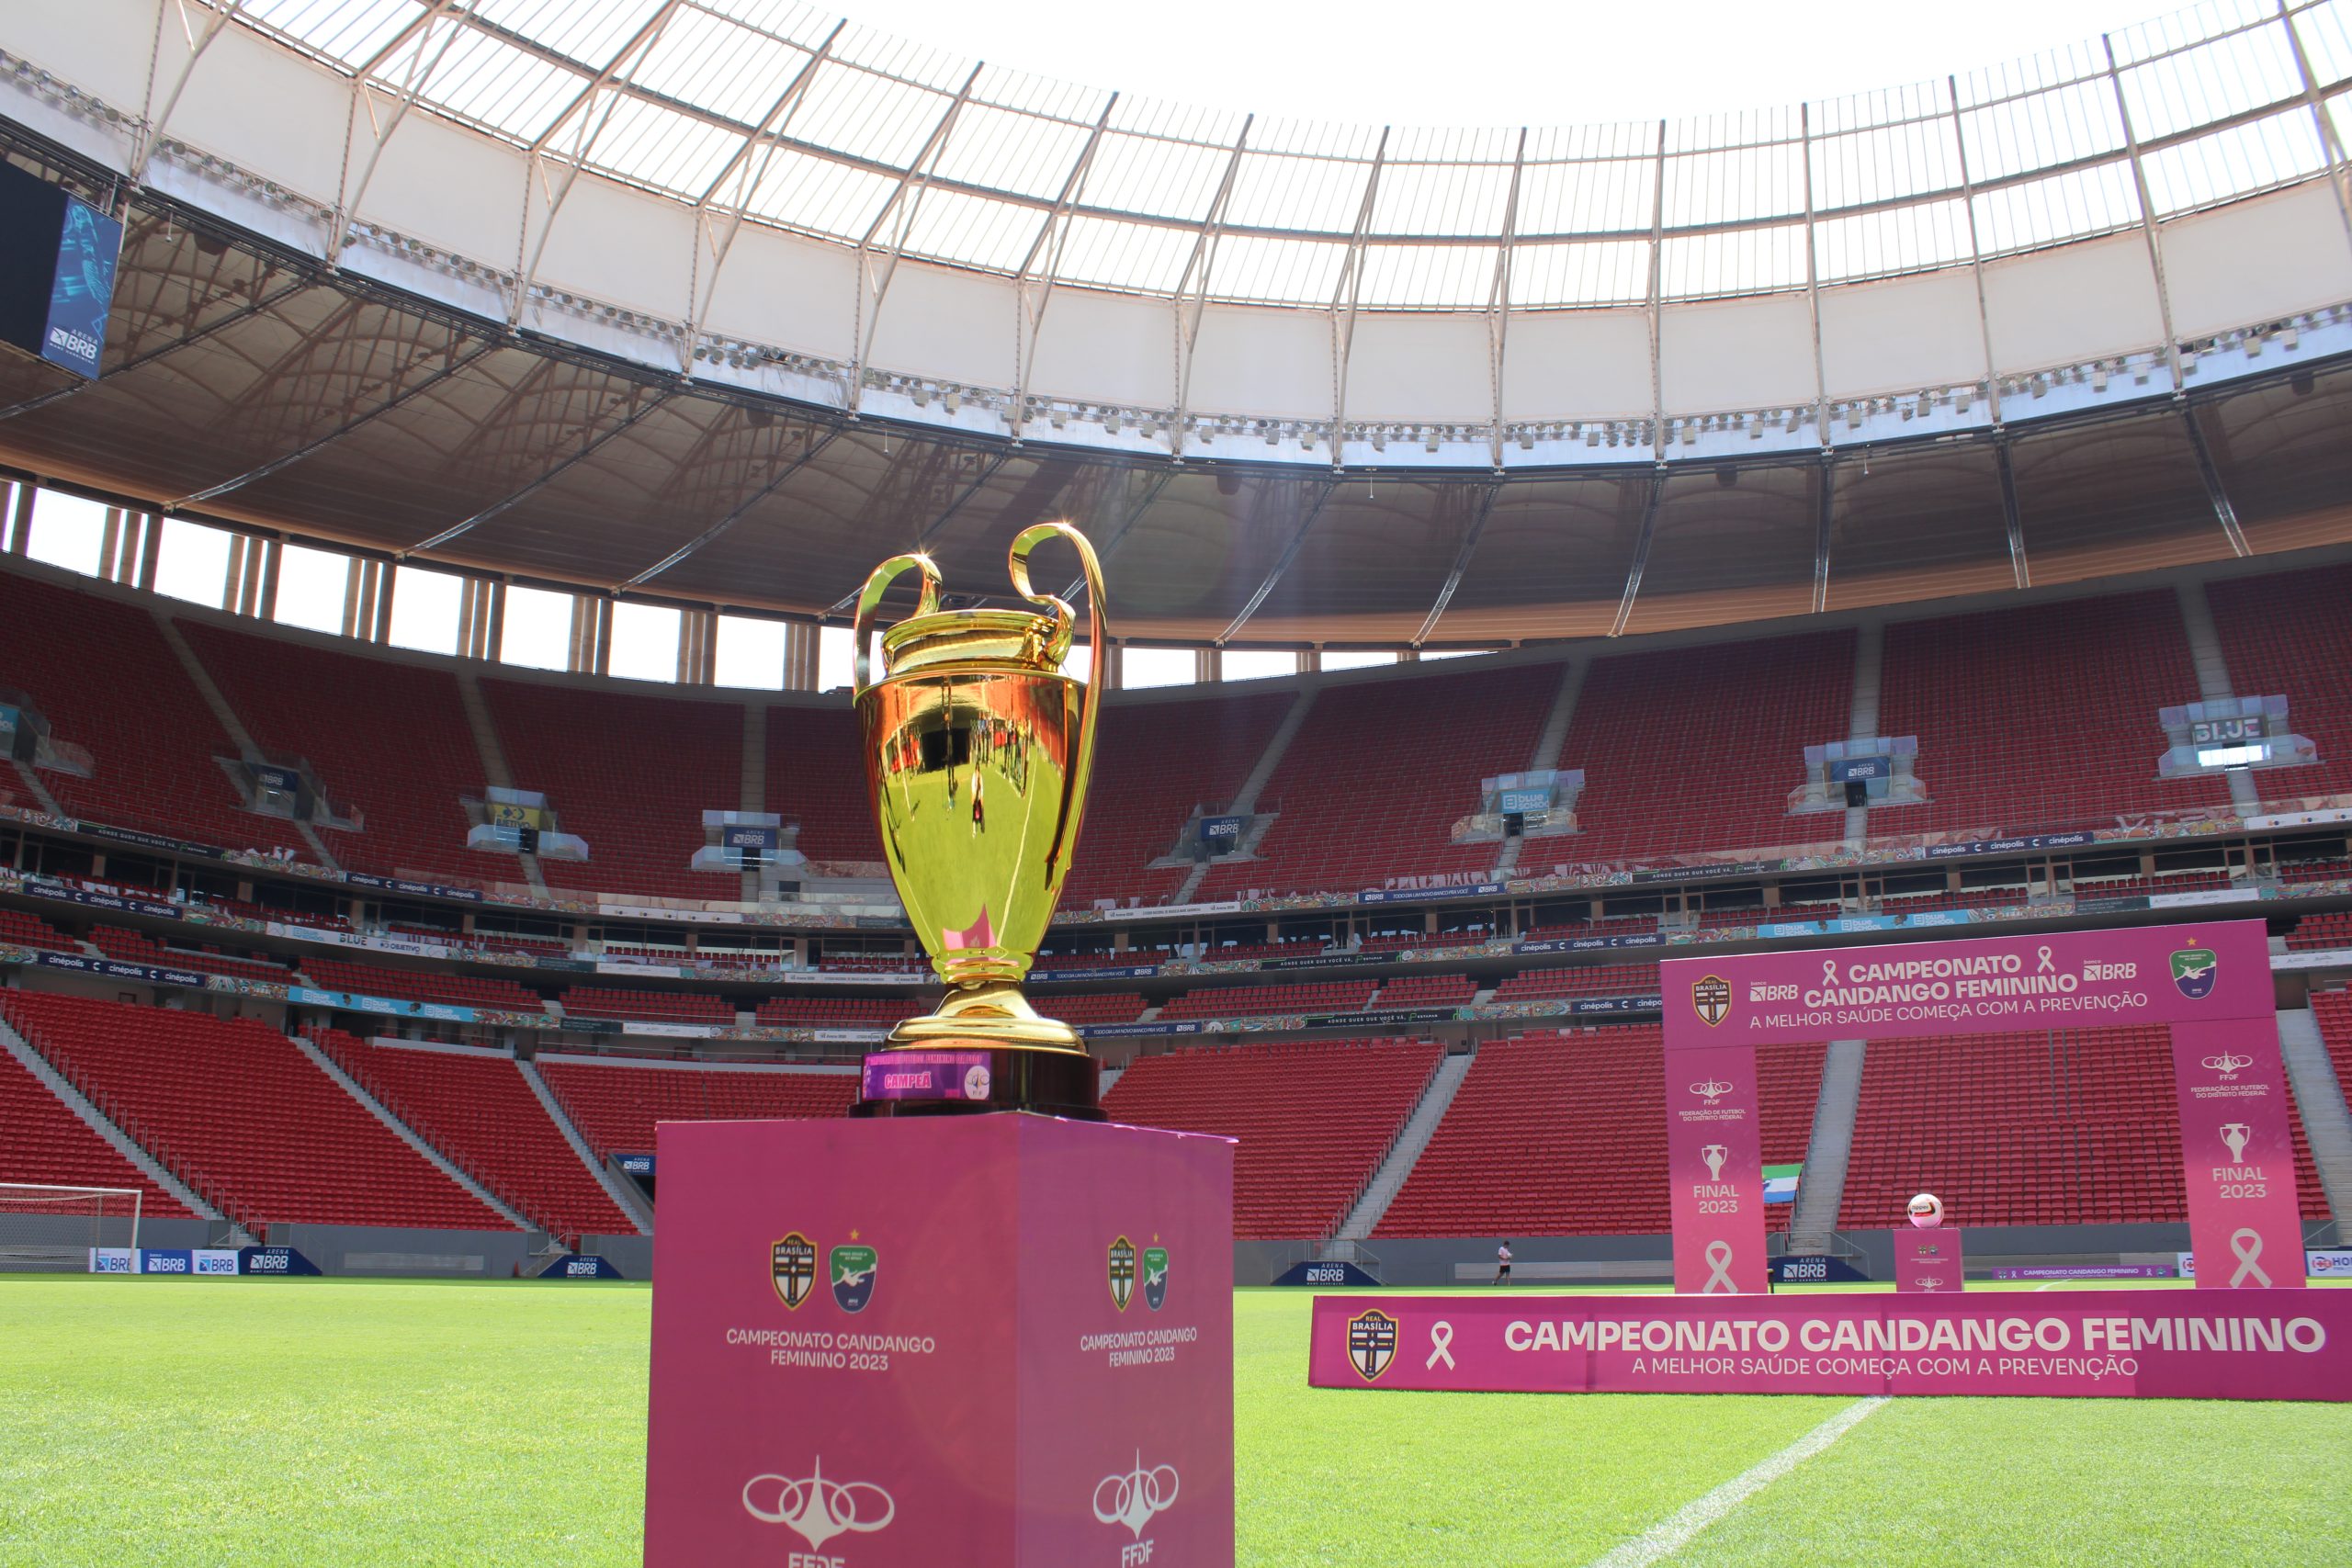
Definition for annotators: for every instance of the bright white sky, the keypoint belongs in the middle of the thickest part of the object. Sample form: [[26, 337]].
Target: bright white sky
[[1485, 63]]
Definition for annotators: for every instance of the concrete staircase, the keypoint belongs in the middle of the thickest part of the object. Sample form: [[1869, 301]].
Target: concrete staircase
[[234, 727], [1861, 722], [1822, 1189], [2212, 676], [751, 779], [1548, 741], [409, 1135], [1382, 1189], [631, 1201], [37, 789], [1244, 803], [494, 758], [2320, 1096], [55, 1082]]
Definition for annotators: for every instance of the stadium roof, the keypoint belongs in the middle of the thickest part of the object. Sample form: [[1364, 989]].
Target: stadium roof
[[2094, 383]]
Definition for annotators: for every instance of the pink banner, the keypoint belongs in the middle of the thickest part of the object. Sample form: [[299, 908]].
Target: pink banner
[[1973, 985], [1928, 1258], [981, 1341], [2144, 1344], [2237, 1153], [1715, 1159]]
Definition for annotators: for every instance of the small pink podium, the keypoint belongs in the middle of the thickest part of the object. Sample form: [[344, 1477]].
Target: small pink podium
[[990, 1340], [1929, 1258]]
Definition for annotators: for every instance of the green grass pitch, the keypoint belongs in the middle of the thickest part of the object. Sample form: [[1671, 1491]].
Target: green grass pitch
[[357, 1422]]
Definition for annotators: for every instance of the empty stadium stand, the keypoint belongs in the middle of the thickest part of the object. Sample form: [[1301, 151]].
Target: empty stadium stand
[[2064, 1127], [1249, 1001], [2290, 635], [49, 1146], [107, 680], [31, 930], [658, 1007], [631, 773], [816, 777], [616, 1105], [1312, 1119], [824, 1012], [1154, 763], [474, 1107], [1580, 980], [2063, 730], [133, 947], [421, 984], [1378, 773], [388, 738], [234, 1110]]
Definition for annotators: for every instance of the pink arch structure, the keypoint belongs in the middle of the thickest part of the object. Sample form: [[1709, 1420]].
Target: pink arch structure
[[2210, 983]]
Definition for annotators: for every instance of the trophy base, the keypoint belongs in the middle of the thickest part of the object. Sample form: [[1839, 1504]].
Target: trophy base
[[1048, 1082], [985, 1049]]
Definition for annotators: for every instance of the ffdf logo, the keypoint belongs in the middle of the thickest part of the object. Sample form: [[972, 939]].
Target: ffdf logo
[[1132, 1499], [817, 1509], [1713, 1090], [2228, 1064]]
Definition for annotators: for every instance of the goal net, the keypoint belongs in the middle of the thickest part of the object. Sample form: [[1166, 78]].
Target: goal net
[[44, 1227]]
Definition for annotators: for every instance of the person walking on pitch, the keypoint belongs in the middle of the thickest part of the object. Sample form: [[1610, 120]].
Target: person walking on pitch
[[1502, 1263]]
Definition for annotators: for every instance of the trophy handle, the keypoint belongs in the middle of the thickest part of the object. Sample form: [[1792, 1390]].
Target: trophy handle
[[1083, 767], [869, 599]]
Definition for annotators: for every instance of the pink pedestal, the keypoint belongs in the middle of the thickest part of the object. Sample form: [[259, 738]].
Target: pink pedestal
[[979, 1340], [1928, 1258]]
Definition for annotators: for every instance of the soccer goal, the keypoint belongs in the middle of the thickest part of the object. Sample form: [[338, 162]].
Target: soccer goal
[[54, 1228]]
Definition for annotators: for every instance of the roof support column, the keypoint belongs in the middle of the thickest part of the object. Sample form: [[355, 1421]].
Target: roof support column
[[2224, 512], [1658, 283], [2339, 176], [800, 646], [697, 647], [2147, 216], [1975, 256], [2019, 568]]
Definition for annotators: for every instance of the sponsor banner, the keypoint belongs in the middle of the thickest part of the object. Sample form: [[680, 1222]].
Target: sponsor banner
[[1813, 1268], [1845, 770], [639, 968], [113, 1260], [116, 969], [671, 1031], [1137, 1031], [352, 1001], [1422, 895], [161, 844], [1715, 1167], [927, 1075], [45, 887], [1384, 1015], [165, 1260], [1939, 917], [2236, 1152], [2110, 1344], [283, 1261], [1589, 944], [415, 890], [2204, 897], [2060, 979], [2313, 958], [1329, 1273], [1701, 873], [1789, 928], [2299, 819], [2334, 1263], [1326, 959], [1585, 1006], [635, 1164], [847, 1036], [214, 1260], [1131, 972], [1221, 832], [2088, 1271], [574, 1267], [2114, 905], [2011, 846], [1928, 1258]]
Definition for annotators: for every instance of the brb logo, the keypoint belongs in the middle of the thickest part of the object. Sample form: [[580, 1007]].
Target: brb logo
[[1131, 1500], [817, 1510]]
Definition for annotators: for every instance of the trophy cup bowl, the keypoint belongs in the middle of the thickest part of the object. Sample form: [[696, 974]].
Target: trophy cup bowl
[[979, 751]]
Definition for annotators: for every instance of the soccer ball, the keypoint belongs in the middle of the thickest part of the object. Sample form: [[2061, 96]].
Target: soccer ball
[[1926, 1210]]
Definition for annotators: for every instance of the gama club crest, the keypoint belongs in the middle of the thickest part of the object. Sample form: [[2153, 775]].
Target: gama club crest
[[1711, 999], [2194, 970], [1123, 1272], [1371, 1343], [792, 1268], [853, 1269], [1155, 1277]]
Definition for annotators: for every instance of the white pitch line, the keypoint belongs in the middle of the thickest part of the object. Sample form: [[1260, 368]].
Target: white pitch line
[[1671, 1534]]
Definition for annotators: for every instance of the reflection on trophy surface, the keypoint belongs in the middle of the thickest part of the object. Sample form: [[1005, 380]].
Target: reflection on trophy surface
[[2236, 1135], [978, 753], [1714, 1154]]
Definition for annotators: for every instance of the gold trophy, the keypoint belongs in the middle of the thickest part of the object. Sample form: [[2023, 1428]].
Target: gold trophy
[[978, 755]]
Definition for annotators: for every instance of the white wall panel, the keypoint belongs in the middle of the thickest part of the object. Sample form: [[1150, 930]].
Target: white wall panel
[[1577, 364], [620, 246], [1420, 366], [100, 46], [1106, 348], [958, 326], [268, 111], [788, 293], [1736, 353], [1262, 362], [1901, 335], [449, 186], [2075, 302], [2257, 261]]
